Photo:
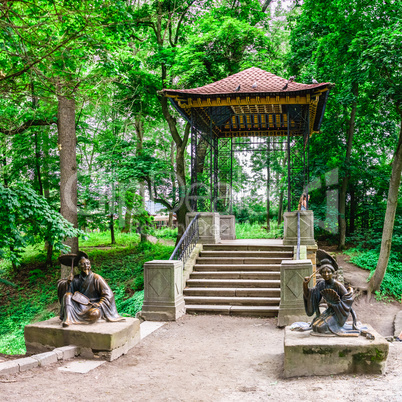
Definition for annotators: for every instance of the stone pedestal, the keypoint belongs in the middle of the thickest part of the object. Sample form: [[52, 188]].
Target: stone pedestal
[[306, 228], [209, 226], [227, 227], [291, 308], [312, 255], [307, 355], [163, 291], [107, 340]]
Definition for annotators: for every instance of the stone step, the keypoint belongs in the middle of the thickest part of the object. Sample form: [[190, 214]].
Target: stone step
[[255, 311], [254, 247], [237, 267], [239, 260], [234, 283], [236, 275], [233, 301], [232, 292], [248, 254]]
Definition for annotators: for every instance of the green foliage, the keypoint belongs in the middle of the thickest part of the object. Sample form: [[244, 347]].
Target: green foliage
[[252, 209], [28, 303], [26, 219], [255, 231], [35, 299], [392, 282], [166, 233], [96, 239]]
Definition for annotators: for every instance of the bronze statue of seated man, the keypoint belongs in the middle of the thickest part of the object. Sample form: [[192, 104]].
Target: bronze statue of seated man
[[86, 297]]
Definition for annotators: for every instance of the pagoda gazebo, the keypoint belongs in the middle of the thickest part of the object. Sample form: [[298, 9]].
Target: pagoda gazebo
[[252, 103]]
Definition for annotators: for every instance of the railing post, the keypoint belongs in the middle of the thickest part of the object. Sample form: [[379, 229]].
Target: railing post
[[298, 235], [163, 291], [209, 226]]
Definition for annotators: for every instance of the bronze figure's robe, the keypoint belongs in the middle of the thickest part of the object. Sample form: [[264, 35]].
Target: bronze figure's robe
[[334, 317], [95, 288]]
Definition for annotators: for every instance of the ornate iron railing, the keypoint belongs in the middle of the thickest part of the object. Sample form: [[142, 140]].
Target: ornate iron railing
[[187, 242]]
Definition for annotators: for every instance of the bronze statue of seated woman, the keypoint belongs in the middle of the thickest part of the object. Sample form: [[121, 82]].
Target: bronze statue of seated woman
[[339, 304]]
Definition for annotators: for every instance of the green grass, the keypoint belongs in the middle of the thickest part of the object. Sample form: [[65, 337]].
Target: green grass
[[35, 296], [166, 233], [95, 239], [392, 282], [257, 231]]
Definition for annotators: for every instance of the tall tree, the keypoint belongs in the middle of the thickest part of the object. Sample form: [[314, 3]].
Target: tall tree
[[381, 61]]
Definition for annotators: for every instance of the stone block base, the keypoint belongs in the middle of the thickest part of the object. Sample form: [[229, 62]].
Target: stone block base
[[156, 312], [208, 226], [107, 340], [287, 316], [306, 228], [291, 308], [307, 355], [163, 291], [228, 227]]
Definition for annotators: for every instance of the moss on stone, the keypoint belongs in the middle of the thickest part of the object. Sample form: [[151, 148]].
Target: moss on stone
[[378, 356], [344, 353], [318, 351]]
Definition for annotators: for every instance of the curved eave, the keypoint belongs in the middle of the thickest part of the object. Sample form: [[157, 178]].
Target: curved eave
[[316, 97], [193, 94]]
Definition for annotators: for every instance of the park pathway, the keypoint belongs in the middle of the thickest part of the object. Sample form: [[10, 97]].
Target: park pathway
[[203, 358]]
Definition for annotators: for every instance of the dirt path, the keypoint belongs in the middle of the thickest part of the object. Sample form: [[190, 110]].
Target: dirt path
[[203, 358], [216, 358]]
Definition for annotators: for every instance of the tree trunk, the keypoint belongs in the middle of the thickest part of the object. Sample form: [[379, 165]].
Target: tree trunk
[[281, 195], [181, 177], [143, 236], [37, 162], [389, 219], [174, 188], [68, 169], [127, 220], [180, 162], [4, 161], [139, 129], [45, 173], [170, 221], [111, 224], [352, 210], [49, 254], [344, 186], [280, 209]]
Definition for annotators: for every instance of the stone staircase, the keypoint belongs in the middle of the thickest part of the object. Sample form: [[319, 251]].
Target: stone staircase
[[236, 279]]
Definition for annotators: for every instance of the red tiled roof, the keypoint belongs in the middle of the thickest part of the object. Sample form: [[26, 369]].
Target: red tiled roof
[[266, 82]]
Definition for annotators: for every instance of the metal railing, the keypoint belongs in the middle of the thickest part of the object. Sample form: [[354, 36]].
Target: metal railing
[[298, 235], [187, 242]]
